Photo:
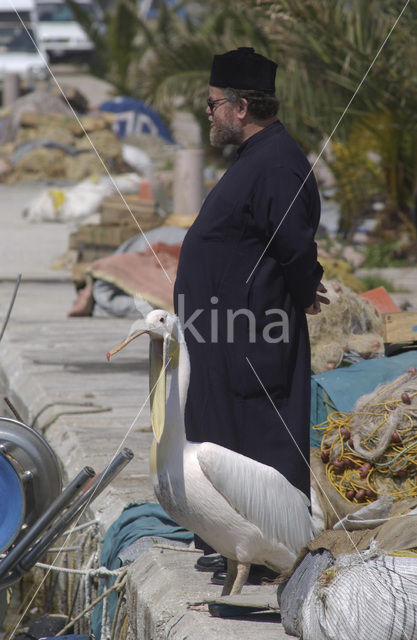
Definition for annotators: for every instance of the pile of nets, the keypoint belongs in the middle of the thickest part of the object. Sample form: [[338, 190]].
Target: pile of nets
[[348, 323], [372, 451]]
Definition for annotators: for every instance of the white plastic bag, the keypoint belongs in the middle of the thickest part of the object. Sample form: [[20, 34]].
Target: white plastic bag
[[137, 159]]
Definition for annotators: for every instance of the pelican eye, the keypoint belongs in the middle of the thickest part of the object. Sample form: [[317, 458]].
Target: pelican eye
[[162, 319]]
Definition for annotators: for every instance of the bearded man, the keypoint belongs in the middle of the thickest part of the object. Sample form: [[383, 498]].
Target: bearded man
[[247, 276]]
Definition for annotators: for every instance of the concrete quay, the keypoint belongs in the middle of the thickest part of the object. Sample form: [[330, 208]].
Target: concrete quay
[[48, 361]]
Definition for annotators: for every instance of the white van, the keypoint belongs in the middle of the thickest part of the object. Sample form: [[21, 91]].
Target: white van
[[60, 33], [20, 50]]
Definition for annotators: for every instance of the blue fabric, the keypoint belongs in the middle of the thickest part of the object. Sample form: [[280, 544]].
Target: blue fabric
[[136, 117], [12, 503], [344, 386], [135, 521]]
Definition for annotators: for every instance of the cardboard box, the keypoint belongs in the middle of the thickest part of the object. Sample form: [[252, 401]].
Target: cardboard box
[[400, 327]]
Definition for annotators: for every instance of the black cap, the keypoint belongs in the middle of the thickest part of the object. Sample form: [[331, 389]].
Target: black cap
[[243, 69]]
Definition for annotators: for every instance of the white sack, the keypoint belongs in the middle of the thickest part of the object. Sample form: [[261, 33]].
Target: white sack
[[364, 599], [78, 202]]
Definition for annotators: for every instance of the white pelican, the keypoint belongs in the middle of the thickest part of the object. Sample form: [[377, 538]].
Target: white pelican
[[245, 510]]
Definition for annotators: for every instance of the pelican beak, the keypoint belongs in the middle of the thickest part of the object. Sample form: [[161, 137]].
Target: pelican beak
[[157, 374], [157, 385], [122, 345], [173, 352]]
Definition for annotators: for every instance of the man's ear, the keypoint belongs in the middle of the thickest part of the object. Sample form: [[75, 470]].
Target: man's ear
[[242, 110]]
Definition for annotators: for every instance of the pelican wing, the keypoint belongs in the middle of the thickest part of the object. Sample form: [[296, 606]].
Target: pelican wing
[[259, 493]]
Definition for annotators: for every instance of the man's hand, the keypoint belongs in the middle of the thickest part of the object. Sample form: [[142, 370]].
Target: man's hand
[[315, 308]]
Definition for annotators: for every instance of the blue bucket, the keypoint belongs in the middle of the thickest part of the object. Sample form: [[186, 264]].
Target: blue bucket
[[12, 503]]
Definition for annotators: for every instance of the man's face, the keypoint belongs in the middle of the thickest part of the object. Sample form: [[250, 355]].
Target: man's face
[[226, 128]]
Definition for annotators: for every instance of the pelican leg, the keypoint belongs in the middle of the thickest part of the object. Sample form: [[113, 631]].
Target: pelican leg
[[242, 575], [230, 576]]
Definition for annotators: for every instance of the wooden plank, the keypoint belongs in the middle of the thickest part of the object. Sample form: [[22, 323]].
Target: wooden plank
[[115, 203], [146, 225], [114, 211], [105, 235], [243, 605], [400, 327], [111, 215], [131, 198], [100, 235], [108, 237], [134, 201]]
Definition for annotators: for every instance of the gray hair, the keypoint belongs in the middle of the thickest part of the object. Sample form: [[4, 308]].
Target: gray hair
[[261, 105]]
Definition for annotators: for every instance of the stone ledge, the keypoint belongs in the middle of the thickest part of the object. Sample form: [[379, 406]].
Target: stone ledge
[[164, 600]]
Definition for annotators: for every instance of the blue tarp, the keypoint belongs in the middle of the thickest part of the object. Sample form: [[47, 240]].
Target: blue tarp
[[135, 521], [136, 117], [342, 387]]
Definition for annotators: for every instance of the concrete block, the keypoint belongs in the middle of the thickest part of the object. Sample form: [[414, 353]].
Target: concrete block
[[166, 599]]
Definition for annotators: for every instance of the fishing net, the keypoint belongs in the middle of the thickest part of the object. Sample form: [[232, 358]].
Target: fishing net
[[349, 322], [372, 451]]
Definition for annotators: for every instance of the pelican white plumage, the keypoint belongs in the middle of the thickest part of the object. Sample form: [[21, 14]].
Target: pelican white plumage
[[245, 510]]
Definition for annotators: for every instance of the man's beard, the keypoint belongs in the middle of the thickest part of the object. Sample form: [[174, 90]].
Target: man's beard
[[224, 133]]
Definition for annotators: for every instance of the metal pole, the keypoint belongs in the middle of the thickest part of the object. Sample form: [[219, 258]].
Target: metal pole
[[60, 503], [11, 89], [6, 320], [95, 488]]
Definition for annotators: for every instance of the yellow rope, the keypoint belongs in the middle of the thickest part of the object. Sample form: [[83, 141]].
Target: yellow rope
[[358, 480], [407, 553]]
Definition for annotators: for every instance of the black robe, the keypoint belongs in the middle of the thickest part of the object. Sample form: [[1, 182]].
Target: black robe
[[226, 402]]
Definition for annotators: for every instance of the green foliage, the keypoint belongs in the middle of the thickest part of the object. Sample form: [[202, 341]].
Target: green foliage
[[98, 62], [351, 53], [373, 280], [382, 254], [123, 41], [121, 35], [358, 175]]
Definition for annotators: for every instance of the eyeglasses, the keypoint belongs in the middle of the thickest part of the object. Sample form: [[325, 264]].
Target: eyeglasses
[[211, 103]]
